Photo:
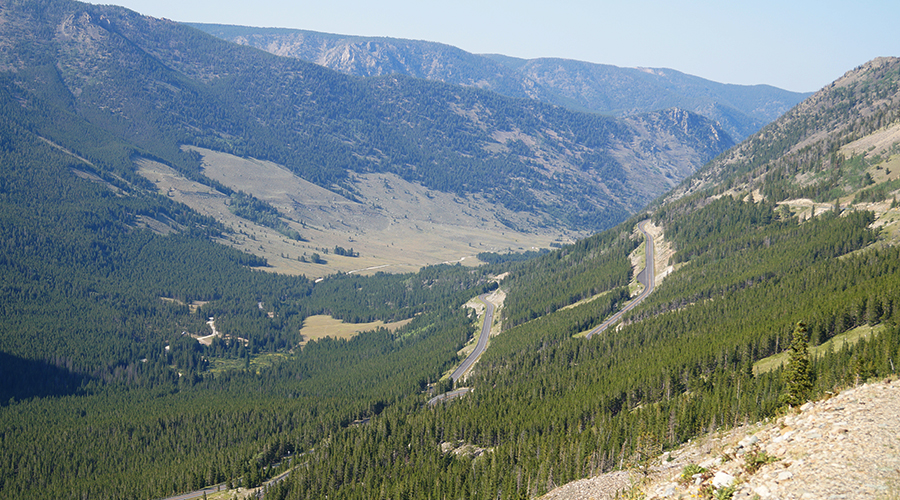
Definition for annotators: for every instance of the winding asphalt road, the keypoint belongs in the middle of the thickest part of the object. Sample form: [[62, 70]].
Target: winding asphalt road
[[647, 277], [482, 340]]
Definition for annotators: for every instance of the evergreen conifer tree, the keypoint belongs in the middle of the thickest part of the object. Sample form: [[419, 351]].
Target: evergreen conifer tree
[[797, 376]]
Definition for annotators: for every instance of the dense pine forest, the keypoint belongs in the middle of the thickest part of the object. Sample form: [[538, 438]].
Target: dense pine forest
[[549, 408], [97, 331], [108, 397], [107, 393]]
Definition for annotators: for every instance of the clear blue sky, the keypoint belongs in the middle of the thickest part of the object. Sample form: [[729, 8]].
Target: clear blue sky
[[798, 45]]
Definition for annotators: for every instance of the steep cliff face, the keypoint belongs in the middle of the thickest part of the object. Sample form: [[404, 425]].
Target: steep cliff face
[[379, 56]]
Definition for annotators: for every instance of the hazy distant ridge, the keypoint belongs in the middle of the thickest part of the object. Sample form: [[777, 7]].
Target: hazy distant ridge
[[611, 90]]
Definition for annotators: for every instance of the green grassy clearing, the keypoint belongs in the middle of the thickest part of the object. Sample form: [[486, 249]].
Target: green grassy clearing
[[835, 343], [257, 363]]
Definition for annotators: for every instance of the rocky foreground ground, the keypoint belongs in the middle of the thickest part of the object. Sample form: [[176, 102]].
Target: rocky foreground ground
[[842, 447]]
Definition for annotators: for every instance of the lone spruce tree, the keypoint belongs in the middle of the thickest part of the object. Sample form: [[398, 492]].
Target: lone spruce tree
[[797, 376]]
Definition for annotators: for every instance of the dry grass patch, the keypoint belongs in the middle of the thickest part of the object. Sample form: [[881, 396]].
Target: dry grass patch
[[396, 226], [321, 326], [889, 223], [880, 142]]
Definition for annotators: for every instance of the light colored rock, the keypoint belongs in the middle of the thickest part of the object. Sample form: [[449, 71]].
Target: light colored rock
[[784, 476], [722, 479], [748, 441], [668, 490], [787, 436], [762, 490]]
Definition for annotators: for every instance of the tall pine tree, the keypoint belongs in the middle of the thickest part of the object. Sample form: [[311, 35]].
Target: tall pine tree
[[797, 376]]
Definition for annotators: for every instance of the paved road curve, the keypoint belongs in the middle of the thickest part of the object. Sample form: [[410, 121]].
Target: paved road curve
[[482, 340], [647, 277]]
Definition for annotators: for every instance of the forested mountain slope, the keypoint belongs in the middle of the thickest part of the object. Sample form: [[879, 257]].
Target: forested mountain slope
[[605, 89], [158, 85], [106, 391], [108, 285], [549, 408], [741, 109], [821, 149]]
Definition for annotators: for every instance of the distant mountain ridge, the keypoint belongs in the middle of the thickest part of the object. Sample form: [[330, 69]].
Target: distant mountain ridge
[[599, 88], [158, 85]]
